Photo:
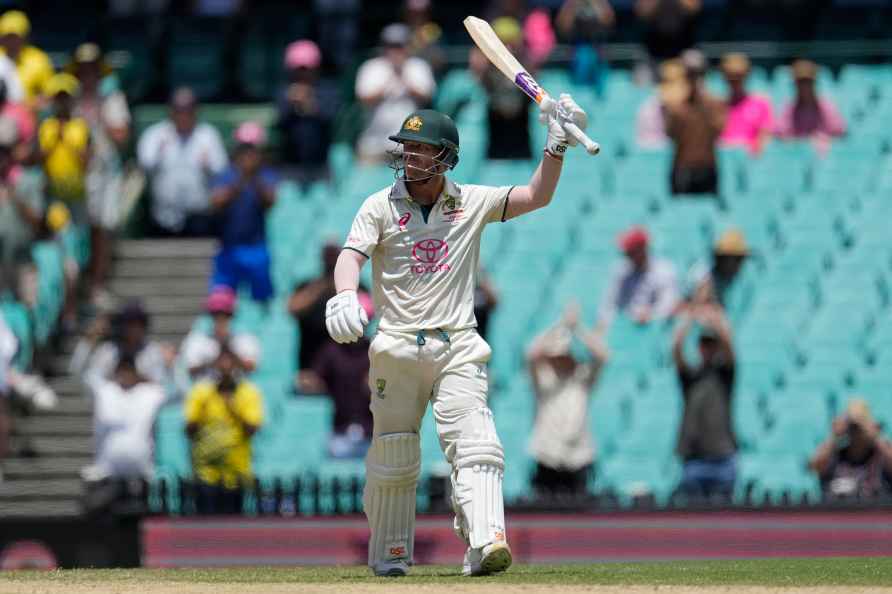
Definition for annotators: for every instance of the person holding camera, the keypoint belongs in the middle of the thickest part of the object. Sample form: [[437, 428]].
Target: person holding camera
[[855, 460], [222, 415]]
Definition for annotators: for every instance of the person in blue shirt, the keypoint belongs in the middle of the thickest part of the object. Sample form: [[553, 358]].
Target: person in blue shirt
[[240, 198]]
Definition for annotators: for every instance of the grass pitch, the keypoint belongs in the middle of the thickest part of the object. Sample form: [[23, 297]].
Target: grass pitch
[[845, 575]]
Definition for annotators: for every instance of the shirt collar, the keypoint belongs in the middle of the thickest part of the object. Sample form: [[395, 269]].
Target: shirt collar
[[399, 191]]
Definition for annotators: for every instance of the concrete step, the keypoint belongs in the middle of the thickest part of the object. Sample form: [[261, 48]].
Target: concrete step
[[44, 468], [143, 288], [66, 385], [153, 249], [76, 406], [47, 447], [172, 268], [40, 508], [49, 426], [50, 489], [172, 323], [174, 304]]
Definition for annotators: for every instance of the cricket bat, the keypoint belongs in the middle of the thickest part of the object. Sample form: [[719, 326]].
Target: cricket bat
[[493, 48]]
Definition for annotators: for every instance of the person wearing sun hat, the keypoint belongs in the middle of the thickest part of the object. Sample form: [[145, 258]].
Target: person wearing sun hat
[[724, 280], [33, 64], [809, 115]]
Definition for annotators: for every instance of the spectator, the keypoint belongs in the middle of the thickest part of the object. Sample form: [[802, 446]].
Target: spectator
[[342, 372], [587, 25], [65, 145], [508, 112], [104, 108], [34, 66], [855, 460], [694, 125], [426, 34], [200, 350], [126, 335], [810, 116], [181, 155], [642, 288], [720, 283], [670, 26], [26, 124], [307, 109], [561, 442], [240, 198], [221, 418], [486, 299], [650, 121], [389, 87], [124, 409], [750, 120], [706, 442]]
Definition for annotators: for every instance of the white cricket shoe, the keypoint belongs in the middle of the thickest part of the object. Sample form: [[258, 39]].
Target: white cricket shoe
[[492, 558], [395, 568]]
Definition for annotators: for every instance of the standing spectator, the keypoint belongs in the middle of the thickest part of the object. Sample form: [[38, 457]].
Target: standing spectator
[[342, 372], [22, 205], [750, 121], [650, 123], [200, 350], [561, 442], [720, 282], [586, 24], [221, 418], [706, 442], [389, 87], [124, 409], [694, 125], [104, 108], [181, 155], [33, 64], [643, 288], [241, 196], [670, 26], [65, 145], [810, 116], [855, 460], [307, 109]]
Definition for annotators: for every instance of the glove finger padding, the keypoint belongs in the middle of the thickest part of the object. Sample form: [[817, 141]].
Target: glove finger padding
[[575, 113]]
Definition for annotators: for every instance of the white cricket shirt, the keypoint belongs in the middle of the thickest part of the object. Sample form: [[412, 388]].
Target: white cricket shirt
[[424, 272]]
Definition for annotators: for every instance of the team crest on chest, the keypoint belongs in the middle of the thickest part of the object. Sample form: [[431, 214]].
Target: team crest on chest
[[452, 210]]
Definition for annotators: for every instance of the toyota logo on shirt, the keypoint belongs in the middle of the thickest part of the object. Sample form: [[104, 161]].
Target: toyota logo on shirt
[[430, 253]]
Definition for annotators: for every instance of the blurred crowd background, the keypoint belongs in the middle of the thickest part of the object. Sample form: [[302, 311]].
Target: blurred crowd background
[[700, 318]]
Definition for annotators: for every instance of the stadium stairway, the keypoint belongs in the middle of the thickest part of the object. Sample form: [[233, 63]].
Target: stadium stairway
[[50, 448]]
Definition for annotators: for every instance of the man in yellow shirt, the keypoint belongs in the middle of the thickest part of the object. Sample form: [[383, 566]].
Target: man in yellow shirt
[[33, 64], [221, 418], [64, 143]]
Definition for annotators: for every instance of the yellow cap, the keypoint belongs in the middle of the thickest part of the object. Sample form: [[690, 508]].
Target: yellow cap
[[15, 22], [507, 29], [732, 243], [61, 83], [57, 216]]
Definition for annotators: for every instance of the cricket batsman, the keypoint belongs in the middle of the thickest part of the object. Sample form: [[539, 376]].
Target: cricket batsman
[[423, 237]]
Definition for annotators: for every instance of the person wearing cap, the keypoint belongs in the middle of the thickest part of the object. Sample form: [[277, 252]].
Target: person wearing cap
[[706, 445], [694, 123], [650, 122], [809, 116], [856, 458], [64, 141], [181, 156], [388, 87], [561, 442], [200, 349], [307, 108], [34, 66], [22, 204], [750, 121], [642, 288], [722, 281], [240, 198]]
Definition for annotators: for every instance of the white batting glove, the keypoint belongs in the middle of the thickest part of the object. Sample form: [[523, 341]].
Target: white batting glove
[[345, 319], [555, 116]]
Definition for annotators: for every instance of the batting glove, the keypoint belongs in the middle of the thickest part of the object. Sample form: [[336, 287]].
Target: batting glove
[[555, 116], [345, 319]]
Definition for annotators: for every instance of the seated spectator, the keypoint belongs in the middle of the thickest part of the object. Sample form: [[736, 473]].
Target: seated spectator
[[587, 25], [181, 156], [222, 417], [650, 123], [389, 87], [810, 116], [126, 335], [561, 442], [342, 372], [855, 460], [706, 442], [749, 123], [33, 64], [694, 125], [307, 108], [104, 107], [644, 289], [240, 198], [200, 350], [486, 299], [124, 409], [719, 282]]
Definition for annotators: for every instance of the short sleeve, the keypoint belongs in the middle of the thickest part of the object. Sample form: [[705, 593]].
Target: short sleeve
[[366, 229], [494, 203], [250, 405], [195, 401]]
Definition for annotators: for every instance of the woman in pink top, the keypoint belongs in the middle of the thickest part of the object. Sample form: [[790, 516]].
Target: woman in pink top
[[810, 116], [749, 121]]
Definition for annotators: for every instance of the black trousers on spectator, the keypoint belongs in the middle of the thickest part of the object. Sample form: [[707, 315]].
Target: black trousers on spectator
[[695, 180], [554, 481], [216, 500]]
